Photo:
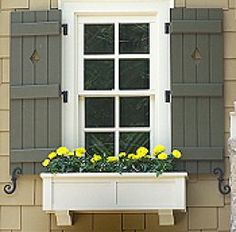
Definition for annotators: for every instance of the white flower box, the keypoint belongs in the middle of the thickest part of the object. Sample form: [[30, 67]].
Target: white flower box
[[64, 193]]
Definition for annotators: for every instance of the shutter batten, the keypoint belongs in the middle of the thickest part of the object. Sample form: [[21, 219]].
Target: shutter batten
[[197, 88], [35, 69]]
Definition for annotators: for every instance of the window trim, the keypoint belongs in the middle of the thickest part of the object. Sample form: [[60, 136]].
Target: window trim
[[159, 10]]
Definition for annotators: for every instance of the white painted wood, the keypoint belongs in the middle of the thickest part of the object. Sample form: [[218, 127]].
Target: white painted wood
[[63, 218], [157, 12], [115, 192], [166, 217]]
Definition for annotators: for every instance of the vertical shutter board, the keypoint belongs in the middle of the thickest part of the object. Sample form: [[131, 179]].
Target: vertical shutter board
[[204, 167], [41, 77], [32, 127], [189, 75], [16, 124], [54, 73], [216, 73], [203, 71], [191, 167]]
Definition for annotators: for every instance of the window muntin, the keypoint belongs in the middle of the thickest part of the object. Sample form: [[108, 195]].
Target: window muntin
[[123, 76]]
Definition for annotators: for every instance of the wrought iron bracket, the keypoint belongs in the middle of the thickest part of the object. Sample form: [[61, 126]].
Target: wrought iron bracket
[[11, 187], [223, 188]]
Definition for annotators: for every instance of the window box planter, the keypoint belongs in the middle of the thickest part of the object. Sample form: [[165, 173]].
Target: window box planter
[[64, 193]]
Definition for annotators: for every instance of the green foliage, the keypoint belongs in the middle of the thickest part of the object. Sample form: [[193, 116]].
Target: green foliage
[[64, 161]]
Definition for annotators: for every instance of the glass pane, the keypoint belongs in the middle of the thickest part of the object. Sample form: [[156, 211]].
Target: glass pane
[[99, 112], [134, 73], [134, 111], [98, 74], [99, 143], [130, 141], [134, 38], [99, 39]]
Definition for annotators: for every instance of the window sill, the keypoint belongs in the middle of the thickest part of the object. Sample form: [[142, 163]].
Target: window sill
[[63, 193]]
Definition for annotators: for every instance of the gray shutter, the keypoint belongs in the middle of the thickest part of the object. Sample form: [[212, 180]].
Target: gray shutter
[[197, 88], [35, 69]]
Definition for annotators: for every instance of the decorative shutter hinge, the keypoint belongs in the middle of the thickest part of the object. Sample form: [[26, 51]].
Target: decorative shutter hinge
[[167, 96], [65, 96], [167, 28], [65, 29]]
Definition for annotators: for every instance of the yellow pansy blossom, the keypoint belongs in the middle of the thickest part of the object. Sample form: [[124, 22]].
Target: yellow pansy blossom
[[162, 156], [80, 151], [142, 151], [52, 155], [158, 149], [111, 159], [122, 154], [95, 158], [46, 162], [177, 154], [62, 151]]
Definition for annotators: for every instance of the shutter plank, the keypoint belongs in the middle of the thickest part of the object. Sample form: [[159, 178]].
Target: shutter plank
[[54, 73], [200, 26], [33, 29], [197, 89], [35, 91]]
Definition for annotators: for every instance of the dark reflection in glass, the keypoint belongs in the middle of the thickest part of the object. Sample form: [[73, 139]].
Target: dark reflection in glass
[[134, 38], [99, 112], [130, 141], [99, 74], [99, 143], [134, 112], [99, 39], [134, 74]]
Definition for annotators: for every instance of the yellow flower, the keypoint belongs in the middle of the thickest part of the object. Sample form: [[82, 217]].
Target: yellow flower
[[158, 149], [52, 155], [111, 159], [79, 152], [130, 156], [122, 154], [62, 151], [148, 157], [162, 156], [95, 158], [71, 153], [46, 162], [142, 151], [177, 154]]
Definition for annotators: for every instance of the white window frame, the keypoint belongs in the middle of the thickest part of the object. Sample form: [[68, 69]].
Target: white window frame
[[156, 10]]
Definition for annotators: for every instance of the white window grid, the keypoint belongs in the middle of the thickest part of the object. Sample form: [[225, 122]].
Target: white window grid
[[116, 93]]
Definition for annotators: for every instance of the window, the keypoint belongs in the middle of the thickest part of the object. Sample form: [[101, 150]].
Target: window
[[117, 71]]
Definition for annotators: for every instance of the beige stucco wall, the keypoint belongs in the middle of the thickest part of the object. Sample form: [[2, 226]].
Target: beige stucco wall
[[207, 210]]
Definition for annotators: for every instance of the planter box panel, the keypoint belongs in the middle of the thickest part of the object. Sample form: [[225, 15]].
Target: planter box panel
[[83, 196]]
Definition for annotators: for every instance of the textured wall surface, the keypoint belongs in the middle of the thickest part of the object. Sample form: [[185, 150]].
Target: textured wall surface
[[208, 210]]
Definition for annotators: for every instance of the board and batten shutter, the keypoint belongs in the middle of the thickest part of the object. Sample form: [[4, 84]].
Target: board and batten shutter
[[197, 88], [35, 78]]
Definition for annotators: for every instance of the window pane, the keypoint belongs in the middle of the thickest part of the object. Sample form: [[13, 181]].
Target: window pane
[[130, 141], [134, 73], [98, 74], [134, 38], [134, 111], [99, 39], [99, 143], [99, 112]]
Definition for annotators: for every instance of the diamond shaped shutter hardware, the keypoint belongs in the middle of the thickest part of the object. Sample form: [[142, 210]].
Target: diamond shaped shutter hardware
[[196, 55], [35, 57]]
